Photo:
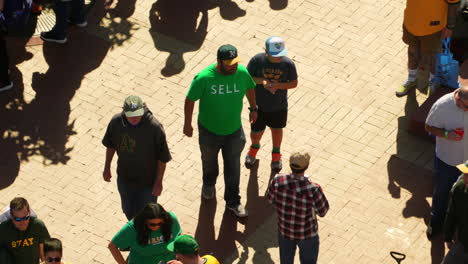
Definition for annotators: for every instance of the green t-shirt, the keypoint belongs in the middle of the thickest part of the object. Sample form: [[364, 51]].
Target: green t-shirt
[[221, 98], [23, 245], [152, 253]]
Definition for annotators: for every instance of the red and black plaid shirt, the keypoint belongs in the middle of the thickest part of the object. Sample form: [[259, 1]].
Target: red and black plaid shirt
[[297, 202]]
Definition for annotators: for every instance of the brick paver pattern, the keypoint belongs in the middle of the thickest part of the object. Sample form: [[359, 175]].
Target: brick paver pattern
[[349, 57]]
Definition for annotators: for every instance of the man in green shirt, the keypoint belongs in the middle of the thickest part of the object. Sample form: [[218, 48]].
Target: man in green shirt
[[456, 221], [23, 236], [221, 88]]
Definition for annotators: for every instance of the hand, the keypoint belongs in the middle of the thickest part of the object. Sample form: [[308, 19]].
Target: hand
[[449, 244], [253, 116], [266, 84], [454, 136], [174, 262], [106, 174], [157, 188], [188, 130], [446, 33]]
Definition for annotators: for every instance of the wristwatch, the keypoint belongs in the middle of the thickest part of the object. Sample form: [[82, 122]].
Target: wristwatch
[[253, 109]]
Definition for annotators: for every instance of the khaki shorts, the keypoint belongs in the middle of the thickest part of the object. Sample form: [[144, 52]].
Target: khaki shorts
[[427, 45]]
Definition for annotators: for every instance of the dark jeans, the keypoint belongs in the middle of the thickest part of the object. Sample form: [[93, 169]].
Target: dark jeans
[[456, 255], [444, 179], [231, 147], [308, 250], [133, 198], [4, 62], [62, 15]]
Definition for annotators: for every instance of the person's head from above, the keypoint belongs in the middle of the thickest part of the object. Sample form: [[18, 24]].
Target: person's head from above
[[299, 162], [464, 169], [20, 213], [53, 251], [151, 218], [461, 98], [185, 248], [275, 49], [228, 60], [133, 108]]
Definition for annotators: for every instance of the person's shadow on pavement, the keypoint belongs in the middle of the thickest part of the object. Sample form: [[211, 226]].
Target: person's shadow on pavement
[[180, 26]]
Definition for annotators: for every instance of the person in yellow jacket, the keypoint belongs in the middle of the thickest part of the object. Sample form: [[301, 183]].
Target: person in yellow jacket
[[53, 252], [425, 23]]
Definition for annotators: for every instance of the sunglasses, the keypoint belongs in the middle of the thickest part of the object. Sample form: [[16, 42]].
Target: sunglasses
[[54, 259], [19, 219]]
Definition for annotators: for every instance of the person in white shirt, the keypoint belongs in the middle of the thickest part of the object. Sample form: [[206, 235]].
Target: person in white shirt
[[447, 121]]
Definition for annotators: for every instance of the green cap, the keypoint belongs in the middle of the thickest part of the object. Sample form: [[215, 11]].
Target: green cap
[[228, 54], [133, 106], [183, 244]]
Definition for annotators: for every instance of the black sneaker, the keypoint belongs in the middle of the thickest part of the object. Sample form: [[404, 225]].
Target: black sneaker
[[6, 87], [78, 24], [51, 37]]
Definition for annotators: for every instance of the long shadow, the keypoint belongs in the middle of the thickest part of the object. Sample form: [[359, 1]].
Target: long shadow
[[224, 245], [180, 26], [403, 174], [42, 126]]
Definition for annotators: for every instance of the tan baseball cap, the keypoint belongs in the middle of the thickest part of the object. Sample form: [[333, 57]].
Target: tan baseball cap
[[463, 167], [299, 160]]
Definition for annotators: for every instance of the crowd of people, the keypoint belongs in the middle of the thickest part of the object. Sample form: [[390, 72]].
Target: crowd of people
[[154, 235]]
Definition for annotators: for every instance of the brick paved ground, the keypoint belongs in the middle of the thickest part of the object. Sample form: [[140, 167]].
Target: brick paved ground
[[349, 58]]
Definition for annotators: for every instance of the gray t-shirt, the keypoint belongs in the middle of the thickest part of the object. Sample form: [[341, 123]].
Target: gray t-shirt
[[284, 71]]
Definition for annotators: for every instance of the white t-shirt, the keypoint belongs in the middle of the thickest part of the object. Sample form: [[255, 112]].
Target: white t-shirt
[[447, 115]]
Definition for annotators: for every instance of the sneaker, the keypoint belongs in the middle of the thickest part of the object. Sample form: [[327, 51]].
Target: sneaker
[[49, 36], [81, 25], [6, 87], [405, 88], [208, 192], [276, 164], [250, 157], [239, 210]]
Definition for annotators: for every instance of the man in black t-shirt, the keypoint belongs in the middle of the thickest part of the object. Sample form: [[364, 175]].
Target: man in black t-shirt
[[140, 142], [274, 74], [22, 237]]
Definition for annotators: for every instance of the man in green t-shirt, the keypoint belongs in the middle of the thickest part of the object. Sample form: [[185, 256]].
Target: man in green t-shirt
[[221, 88], [22, 236]]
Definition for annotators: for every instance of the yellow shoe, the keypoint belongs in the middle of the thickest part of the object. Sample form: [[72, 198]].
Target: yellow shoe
[[405, 88]]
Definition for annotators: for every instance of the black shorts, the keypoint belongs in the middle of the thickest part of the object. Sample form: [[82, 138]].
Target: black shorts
[[270, 119]]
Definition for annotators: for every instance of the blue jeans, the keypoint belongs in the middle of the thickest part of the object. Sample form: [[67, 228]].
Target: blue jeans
[[134, 198], [444, 179], [308, 249], [62, 11], [231, 147]]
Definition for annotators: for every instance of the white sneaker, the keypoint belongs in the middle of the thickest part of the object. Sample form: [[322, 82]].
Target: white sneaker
[[239, 210]]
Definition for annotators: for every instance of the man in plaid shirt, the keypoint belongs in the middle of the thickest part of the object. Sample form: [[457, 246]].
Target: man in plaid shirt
[[297, 201]]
